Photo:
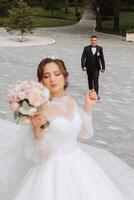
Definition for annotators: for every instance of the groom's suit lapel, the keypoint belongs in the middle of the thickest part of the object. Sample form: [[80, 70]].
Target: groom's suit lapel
[[90, 50], [97, 49]]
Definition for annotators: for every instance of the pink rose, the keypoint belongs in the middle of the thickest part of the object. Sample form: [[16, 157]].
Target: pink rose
[[22, 95], [13, 98], [35, 99]]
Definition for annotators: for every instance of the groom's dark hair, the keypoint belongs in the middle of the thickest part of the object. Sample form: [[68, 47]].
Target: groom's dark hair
[[93, 36]]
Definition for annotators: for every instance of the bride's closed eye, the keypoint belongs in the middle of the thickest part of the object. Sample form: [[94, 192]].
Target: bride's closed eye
[[57, 73], [49, 75], [46, 76]]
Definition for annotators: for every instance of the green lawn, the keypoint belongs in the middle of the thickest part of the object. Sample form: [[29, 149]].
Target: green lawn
[[43, 18], [1, 20], [126, 22], [51, 22]]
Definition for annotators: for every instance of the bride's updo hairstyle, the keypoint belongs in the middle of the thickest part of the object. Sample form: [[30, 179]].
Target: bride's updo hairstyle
[[60, 64]]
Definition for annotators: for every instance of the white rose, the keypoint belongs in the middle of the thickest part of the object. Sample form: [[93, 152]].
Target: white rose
[[98, 53]]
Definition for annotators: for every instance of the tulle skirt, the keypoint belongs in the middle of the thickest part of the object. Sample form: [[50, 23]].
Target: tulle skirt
[[67, 177], [87, 173]]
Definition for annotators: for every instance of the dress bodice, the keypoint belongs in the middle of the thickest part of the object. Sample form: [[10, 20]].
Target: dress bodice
[[64, 127], [67, 122]]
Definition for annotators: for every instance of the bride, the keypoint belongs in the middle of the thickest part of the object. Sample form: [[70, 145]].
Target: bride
[[50, 164]]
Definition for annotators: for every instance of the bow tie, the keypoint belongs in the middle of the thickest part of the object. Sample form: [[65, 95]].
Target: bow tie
[[93, 46]]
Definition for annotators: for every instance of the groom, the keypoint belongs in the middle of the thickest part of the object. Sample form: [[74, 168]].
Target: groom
[[92, 61]]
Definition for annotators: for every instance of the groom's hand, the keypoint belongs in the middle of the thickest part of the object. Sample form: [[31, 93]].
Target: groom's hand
[[84, 68], [102, 70]]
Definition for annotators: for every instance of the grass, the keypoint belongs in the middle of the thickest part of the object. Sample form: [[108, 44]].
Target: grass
[[126, 23], [2, 20], [43, 18], [50, 22]]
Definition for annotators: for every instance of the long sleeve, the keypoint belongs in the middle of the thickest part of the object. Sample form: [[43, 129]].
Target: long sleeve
[[38, 150], [83, 58], [102, 59], [87, 130]]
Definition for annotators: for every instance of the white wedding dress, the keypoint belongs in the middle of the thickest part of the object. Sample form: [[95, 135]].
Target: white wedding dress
[[56, 167]]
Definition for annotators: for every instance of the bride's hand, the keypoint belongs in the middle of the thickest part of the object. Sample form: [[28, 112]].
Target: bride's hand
[[90, 100], [91, 97], [37, 121]]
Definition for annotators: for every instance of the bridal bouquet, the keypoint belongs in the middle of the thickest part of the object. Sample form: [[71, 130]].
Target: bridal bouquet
[[25, 99]]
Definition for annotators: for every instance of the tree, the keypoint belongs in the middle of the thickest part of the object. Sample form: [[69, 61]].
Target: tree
[[20, 18], [116, 15], [66, 6], [106, 8], [4, 6], [52, 4], [98, 15], [77, 13]]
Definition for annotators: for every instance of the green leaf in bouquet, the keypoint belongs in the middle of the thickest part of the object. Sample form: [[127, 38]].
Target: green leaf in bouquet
[[26, 105], [15, 115]]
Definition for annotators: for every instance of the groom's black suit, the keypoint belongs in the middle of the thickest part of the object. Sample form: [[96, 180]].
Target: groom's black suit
[[93, 63]]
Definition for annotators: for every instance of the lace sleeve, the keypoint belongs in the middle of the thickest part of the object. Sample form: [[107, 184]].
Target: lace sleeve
[[87, 130], [38, 150]]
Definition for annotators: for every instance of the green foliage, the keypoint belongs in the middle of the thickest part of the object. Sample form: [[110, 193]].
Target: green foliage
[[127, 2], [126, 23], [107, 8], [52, 4], [4, 6], [130, 30], [46, 4], [42, 17], [20, 18]]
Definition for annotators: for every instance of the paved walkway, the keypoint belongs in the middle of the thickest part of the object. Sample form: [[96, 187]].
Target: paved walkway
[[16, 41], [113, 116]]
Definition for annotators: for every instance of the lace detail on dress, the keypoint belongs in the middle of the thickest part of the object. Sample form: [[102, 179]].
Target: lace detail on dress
[[87, 130], [37, 150], [59, 106], [67, 122], [43, 147]]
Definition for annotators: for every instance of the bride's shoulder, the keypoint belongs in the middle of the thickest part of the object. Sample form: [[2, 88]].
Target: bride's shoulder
[[72, 101], [45, 107]]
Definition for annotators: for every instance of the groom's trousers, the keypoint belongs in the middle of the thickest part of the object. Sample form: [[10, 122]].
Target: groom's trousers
[[93, 80]]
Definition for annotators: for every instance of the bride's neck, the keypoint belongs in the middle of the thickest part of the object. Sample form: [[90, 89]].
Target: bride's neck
[[58, 95]]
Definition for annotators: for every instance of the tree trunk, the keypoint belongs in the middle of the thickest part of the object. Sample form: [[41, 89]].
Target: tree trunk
[[98, 16], [66, 6], [116, 15], [77, 13], [22, 36]]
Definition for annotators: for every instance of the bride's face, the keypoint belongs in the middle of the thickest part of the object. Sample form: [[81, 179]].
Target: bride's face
[[53, 78]]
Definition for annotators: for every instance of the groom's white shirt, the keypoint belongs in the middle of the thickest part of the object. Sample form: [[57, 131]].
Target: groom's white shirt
[[93, 50]]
